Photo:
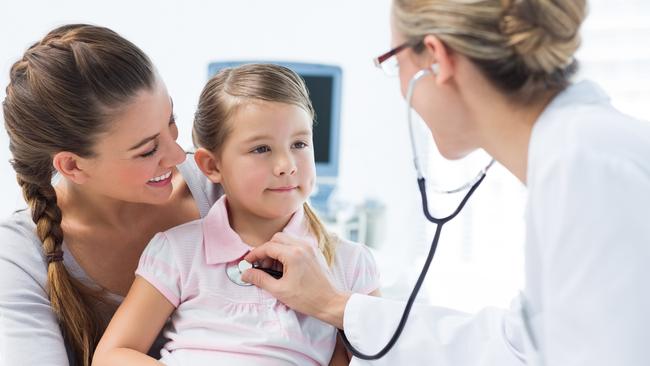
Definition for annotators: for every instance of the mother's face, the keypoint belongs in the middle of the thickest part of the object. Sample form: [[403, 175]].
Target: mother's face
[[135, 157]]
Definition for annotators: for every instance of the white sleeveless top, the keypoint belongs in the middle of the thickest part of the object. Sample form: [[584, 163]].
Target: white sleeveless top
[[29, 330]]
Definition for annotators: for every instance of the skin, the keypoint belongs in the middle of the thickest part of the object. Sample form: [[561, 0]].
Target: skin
[[463, 112], [266, 168], [106, 199]]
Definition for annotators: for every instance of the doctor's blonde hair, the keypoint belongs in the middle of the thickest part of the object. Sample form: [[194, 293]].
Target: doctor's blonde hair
[[233, 87], [522, 46]]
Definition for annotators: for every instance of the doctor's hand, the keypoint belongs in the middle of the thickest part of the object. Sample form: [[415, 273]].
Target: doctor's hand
[[305, 286]]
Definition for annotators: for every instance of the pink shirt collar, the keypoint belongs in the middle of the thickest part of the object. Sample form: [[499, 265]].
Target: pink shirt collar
[[222, 244]]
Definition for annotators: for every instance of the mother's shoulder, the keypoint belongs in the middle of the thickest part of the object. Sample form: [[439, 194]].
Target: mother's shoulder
[[205, 192], [20, 247]]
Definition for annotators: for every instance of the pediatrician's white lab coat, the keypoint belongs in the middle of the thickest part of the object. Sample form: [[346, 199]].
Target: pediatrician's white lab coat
[[587, 293]]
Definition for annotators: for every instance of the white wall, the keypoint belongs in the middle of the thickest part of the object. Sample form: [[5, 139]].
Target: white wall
[[183, 37], [479, 260]]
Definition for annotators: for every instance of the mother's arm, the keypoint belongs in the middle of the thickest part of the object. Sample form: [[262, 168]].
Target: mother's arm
[[29, 330]]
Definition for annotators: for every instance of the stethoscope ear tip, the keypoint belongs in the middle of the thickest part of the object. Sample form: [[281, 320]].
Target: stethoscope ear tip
[[435, 68]]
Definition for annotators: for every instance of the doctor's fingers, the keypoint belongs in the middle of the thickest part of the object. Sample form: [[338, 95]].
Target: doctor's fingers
[[261, 279], [287, 239], [304, 250], [268, 250], [287, 254], [272, 251]]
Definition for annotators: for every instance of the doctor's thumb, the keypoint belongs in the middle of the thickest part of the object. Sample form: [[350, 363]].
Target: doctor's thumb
[[258, 278]]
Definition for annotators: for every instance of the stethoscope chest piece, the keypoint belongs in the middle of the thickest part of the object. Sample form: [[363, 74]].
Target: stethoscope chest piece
[[234, 271]]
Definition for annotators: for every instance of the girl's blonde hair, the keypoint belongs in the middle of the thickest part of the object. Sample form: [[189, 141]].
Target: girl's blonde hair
[[232, 88], [522, 46]]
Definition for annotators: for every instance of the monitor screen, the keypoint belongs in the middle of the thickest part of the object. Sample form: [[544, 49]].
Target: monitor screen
[[320, 93], [324, 85]]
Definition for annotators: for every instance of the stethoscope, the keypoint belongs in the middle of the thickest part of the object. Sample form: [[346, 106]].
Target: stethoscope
[[472, 185], [235, 269]]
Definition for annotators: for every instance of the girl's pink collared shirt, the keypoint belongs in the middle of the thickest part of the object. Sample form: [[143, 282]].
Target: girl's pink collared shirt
[[219, 322]]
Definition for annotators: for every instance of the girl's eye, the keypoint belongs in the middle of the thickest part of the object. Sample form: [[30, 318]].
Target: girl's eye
[[150, 152], [261, 149], [299, 145]]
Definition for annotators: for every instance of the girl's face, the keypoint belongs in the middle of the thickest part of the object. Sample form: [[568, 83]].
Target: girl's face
[[135, 160], [266, 165]]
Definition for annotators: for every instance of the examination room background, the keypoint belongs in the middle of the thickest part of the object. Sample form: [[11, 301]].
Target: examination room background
[[480, 259]]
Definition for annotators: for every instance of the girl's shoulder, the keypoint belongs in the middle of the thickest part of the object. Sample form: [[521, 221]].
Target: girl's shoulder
[[170, 257], [354, 267], [348, 250], [180, 244]]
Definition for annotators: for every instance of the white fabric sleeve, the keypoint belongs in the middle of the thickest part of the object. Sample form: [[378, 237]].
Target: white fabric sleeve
[[596, 238], [433, 335], [158, 266], [29, 330], [205, 192]]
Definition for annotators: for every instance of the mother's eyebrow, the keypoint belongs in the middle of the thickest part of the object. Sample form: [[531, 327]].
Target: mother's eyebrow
[[153, 137], [144, 141]]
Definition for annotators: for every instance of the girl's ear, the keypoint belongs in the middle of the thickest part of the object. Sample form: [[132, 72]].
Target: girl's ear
[[208, 164]]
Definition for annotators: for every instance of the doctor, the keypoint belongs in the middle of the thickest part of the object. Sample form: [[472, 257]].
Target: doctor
[[500, 81]]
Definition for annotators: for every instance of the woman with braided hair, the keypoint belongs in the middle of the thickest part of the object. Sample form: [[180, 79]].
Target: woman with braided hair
[[93, 143]]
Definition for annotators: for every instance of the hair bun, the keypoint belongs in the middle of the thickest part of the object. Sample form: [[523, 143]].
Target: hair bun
[[543, 33]]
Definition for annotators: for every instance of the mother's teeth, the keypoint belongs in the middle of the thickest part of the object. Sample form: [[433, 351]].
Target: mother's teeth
[[162, 177]]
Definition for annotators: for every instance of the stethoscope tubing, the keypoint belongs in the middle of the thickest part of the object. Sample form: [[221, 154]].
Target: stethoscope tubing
[[423, 273], [472, 185]]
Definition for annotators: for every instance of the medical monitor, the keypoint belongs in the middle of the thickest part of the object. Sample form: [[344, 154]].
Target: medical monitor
[[324, 86]]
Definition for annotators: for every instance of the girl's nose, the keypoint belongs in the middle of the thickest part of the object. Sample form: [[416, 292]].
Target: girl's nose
[[284, 166]]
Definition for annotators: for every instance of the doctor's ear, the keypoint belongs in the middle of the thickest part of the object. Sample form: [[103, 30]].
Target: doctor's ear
[[439, 58], [71, 166], [208, 163]]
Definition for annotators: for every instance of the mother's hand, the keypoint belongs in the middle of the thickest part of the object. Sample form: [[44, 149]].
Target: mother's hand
[[305, 285]]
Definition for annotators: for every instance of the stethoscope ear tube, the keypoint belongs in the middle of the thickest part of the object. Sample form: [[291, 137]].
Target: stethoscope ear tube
[[409, 96], [423, 273], [472, 185]]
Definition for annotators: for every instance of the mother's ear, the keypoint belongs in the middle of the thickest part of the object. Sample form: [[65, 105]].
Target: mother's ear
[[71, 166], [207, 162]]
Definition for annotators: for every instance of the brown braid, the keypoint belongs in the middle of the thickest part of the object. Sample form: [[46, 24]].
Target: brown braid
[[61, 96], [71, 301]]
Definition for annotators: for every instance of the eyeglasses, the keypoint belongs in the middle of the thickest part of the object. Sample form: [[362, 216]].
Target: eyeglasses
[[387, 63]]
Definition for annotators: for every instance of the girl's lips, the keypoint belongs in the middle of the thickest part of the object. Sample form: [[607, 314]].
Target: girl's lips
[[282, 189]]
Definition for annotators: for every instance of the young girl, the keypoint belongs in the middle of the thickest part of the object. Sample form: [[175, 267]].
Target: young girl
[[253, 128]]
